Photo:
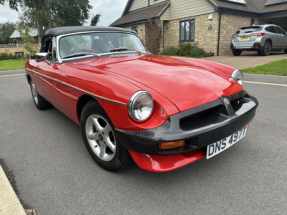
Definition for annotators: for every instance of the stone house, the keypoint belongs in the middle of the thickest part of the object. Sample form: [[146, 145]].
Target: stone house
[[33, 32], [209, 24]]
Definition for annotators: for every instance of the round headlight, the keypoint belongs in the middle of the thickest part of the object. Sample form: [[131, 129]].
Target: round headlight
[[238, 76], [140, 106]]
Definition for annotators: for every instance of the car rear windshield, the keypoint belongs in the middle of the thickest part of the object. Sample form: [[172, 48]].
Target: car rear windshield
[[247, 30]]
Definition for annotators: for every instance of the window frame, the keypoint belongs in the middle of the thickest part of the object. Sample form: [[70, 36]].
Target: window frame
[[135, 27], [277, 27], [191, 21]]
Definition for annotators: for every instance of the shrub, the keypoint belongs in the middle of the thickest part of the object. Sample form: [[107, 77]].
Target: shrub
[[184, 50], [11, 56], [4, 56], [197, 52], [172, 51]]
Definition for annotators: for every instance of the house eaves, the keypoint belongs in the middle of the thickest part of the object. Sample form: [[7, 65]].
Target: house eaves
[[141, 15], [254, 8]]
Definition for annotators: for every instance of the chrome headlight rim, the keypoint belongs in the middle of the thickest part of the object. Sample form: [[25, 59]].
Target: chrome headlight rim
[[134, 98], [238, 76]]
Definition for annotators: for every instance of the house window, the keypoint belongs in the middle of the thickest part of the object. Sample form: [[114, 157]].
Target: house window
[[252, 22], [187, 29], [135, 28]]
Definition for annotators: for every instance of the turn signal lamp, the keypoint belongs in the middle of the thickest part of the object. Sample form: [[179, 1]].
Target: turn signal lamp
[[171, 145]]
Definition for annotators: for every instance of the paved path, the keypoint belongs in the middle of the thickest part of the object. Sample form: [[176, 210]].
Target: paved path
[[247, 59], [56, 175]]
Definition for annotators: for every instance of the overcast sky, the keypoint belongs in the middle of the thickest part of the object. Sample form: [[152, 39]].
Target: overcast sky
[[110, 10]]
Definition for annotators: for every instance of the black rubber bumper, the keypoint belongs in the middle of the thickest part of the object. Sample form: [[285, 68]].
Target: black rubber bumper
[[198, 126]]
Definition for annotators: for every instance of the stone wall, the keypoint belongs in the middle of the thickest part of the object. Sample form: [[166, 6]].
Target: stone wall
[[204, 38], [141, 30], [11, 49], [230, 23]]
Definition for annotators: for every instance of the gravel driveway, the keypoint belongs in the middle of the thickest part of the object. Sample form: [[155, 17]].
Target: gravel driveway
[[247, 59]]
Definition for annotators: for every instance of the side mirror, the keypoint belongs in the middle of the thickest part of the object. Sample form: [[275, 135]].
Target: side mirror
[[285, 33], [41, 56]]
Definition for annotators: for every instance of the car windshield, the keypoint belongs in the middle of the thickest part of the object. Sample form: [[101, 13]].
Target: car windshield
[[99, 43]]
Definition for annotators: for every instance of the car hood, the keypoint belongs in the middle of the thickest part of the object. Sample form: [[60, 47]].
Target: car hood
[[186, 84]]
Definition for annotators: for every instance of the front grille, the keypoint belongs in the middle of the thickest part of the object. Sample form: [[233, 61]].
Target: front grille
[[204, 118]]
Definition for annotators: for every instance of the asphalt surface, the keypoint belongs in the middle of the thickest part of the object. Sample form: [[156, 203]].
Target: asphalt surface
[[56, 175]]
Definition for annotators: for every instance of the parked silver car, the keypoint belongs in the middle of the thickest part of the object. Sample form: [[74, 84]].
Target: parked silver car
[[260, 38]]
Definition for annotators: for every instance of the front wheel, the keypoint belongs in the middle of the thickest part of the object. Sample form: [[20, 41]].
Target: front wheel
[[100, 140], [39, 101], [236, 52]]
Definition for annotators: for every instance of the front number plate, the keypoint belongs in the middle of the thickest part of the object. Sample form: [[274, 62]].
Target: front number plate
[[218, 147]]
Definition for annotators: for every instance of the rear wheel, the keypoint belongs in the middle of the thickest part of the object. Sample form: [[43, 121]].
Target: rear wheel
[[285, 51], [100, 140], [259, 52], [39, 101], [266, 49], [236, 52]]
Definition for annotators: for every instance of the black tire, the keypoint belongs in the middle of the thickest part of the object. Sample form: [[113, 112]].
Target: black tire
[[236, 52], [120, 158], [285, 51], [259, 52], [267, 48], [39, 101]]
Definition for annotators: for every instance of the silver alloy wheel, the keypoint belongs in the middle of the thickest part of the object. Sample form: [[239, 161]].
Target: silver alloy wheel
[[34, 92], [100, 137], [268, 47]]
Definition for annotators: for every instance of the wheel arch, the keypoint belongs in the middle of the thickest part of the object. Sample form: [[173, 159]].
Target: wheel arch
[[82, 101], [269, 40], [29, 79]]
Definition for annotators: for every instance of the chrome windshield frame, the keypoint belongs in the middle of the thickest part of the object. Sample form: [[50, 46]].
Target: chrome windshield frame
[[60, 60]]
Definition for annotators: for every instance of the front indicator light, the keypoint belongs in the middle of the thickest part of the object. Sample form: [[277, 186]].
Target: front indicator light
[[171, 145]]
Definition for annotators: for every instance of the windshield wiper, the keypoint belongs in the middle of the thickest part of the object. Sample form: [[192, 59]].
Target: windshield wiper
[[79, 54], [122, 49]]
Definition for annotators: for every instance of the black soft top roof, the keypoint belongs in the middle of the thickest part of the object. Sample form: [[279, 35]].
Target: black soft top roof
[[74, 29]]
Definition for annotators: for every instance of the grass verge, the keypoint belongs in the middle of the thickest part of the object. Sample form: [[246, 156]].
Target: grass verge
[[12, 64], [273, 68]]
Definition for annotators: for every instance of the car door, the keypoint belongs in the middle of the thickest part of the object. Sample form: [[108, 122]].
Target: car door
[[272, 34], [282, 37], [45, 78]]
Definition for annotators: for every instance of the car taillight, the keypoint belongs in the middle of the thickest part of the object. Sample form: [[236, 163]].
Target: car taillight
[[258, 34], [234, 35]]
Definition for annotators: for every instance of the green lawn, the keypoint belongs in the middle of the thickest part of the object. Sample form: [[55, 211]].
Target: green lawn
[[12, 64], [273, 68]]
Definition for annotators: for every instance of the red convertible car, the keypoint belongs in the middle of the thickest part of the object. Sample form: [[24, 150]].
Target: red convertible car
[[162, 112]]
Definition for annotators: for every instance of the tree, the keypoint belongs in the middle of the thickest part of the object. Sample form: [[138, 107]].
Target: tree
[[6, 29], [14, 4], [153, 36], [27, 39], [45, 14], [95, 20]]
